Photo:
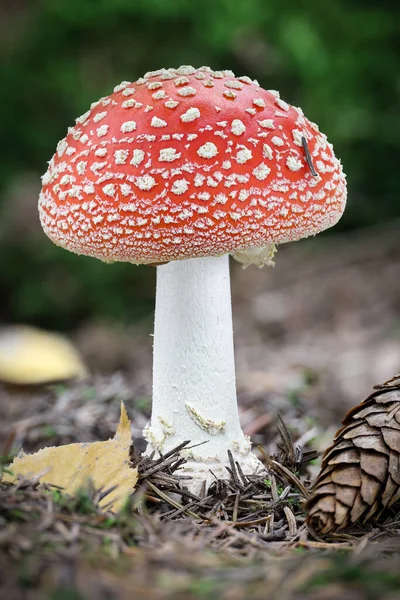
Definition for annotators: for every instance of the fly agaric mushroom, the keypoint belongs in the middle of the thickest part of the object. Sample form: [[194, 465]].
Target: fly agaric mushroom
[[186, 166]]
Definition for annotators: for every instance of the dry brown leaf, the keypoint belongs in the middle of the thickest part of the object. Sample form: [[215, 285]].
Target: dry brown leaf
[[107, 464], [30, 356]]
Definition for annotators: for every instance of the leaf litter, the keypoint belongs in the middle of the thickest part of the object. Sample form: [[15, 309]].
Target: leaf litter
[[246, 535]]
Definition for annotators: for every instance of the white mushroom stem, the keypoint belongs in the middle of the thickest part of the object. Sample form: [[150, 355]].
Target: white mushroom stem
[[194, 392]]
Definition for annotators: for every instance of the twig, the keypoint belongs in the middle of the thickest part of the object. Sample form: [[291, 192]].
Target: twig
[[277, 467], [235, 507], [170, 501], [291, 521]]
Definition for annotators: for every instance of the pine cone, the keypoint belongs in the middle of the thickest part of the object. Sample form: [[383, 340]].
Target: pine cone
[[360, 472]]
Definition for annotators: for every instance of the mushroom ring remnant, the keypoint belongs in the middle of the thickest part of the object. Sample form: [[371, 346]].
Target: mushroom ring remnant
[[186, 166]]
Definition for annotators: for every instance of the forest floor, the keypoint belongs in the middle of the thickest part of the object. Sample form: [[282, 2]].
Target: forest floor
[[312, 336]]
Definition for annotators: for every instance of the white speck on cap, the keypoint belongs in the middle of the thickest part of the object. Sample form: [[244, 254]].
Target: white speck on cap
[[121, 86], [121, 156], [47, 178], [81, 167], [261, 172], [99, 116], [171, 103], [243, 155], [128, 126], [100, 152], [97, 166], [65, 179], [154, 85], [221, 198], [204, 196], [277, 141], [235, 85], [61, 147], [160, 95], [83, 117], [190, 115], [208, 150], [259, 102], [156, 122], [267, 151], [297, 137], [282, 104], [230, 94], [185, 214], [179, 187], [314, 126], [88, 188], [199, 180], [245, 79], [186, 70], [181, 81], [109, 189], [238, 127], [294, 163], [129, 103], [102, 131], [146, 182], [267, 123], [125, 190], [113, 217], [168, 154], [186, 91]]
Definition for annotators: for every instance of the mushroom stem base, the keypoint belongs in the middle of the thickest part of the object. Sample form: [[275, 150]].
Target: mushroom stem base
[[203, 474]]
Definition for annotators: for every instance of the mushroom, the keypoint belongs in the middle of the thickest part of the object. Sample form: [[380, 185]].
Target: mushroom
[[31, 356], [180, 169]]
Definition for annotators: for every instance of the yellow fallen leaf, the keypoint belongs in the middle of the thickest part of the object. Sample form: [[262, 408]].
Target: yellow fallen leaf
[[30, 356], [107, 464]]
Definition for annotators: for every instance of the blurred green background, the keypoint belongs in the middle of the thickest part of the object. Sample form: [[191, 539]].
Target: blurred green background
[[337, 59]]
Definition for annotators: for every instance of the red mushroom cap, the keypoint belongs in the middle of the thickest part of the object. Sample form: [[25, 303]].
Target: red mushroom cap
[[186, 163]]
